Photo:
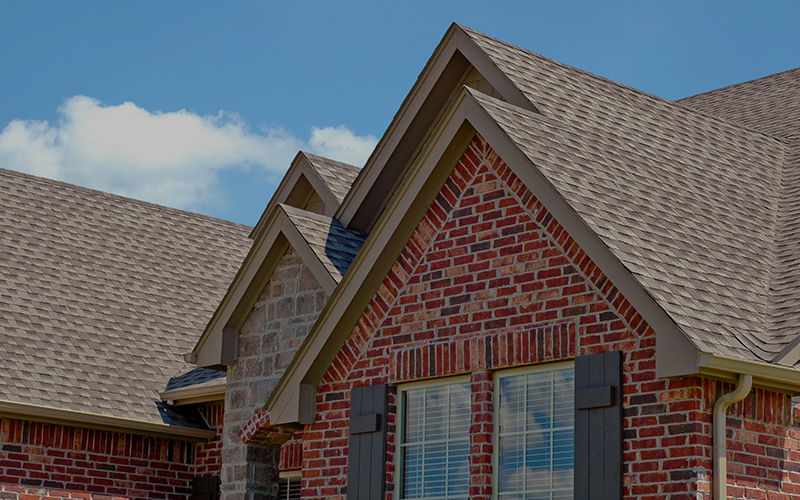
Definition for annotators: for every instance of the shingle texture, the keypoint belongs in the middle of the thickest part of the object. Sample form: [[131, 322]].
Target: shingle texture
[[701, 211], [770, 104], [100, 295], [338, 176], [334, 245]]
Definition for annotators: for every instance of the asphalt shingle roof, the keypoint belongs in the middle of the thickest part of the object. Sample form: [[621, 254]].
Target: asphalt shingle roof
[[700, 210], [338, 176], [334, 245], [770, 104], [101, 295]]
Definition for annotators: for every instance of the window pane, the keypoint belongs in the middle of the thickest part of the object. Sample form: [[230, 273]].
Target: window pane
[[435, 443], [536, 436]]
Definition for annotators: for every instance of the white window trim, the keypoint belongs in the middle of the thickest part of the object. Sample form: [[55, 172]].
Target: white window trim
[[401, 416], [500, 374]]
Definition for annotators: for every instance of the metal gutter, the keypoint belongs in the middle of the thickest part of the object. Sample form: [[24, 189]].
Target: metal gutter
[[213, 390], [25, 411], [720, 470]]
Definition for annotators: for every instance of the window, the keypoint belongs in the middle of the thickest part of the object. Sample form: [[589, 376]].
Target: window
[[434, 440], [534, 426]]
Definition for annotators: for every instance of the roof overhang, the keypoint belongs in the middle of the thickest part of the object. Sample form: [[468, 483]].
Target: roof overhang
[[218, 345], [204, 392], [82, 419], [292, 401]]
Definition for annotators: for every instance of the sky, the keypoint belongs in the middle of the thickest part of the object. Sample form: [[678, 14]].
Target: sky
[[203, 105]]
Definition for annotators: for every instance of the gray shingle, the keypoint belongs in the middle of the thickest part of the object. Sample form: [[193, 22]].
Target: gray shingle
[[692, 205], [334, 245], [338, 176], [100, 295]]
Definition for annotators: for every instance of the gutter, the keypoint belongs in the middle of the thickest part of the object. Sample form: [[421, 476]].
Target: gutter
[[213, 390], [720, 470], [83, 419]]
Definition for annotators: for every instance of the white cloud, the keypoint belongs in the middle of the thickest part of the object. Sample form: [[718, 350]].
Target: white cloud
[[172, 158], [340, 143]]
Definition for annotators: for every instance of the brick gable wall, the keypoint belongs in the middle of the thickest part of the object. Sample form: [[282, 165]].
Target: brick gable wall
[[490, 280]]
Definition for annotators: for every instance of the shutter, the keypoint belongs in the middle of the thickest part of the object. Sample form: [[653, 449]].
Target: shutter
[[205, 488], [366, 455], [598, 426]]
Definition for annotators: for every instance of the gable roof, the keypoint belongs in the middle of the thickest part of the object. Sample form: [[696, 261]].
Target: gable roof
[[101, 295], [692, 215], [323, 244], [311, 177]]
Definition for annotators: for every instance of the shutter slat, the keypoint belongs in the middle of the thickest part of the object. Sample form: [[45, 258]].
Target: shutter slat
[[598, 426]]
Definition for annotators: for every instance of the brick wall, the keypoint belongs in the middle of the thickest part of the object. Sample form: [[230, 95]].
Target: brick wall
[[39, 460], [490, 280], [208, 455], [274, 329]]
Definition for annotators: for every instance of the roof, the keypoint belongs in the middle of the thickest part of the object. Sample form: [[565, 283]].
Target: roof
[[338, 176], [333, 244], [770, 104], [310, 177], [691, 204], [101, 295]]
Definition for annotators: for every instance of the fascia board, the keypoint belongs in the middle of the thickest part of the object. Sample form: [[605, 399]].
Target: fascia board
[[454, 40], [360, 280], [765, 375], [330, 332], [48, 414], [271, 244], [309, 257]]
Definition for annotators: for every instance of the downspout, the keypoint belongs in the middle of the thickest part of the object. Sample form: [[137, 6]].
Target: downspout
[[720, 471]]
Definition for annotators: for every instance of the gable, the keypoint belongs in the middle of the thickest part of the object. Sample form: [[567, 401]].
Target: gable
[[457, 61]]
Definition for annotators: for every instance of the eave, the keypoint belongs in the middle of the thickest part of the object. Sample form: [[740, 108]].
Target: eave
[[47, 414], [213, 390]]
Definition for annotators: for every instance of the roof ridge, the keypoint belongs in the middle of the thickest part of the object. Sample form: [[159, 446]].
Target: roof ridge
[[739, 84], [618, 84], [97, 192]]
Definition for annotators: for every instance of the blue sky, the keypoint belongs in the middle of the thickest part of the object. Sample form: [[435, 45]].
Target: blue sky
[[202, 105]]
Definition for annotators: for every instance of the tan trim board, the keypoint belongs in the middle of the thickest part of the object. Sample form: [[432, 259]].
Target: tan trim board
[[271, 244], [213, 390], [81, 419], [364, 276], [765, 375], [388, 238], [418, 114]]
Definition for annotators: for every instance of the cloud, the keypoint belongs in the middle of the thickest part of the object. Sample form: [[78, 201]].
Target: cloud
[[173, 158], [342, 144]]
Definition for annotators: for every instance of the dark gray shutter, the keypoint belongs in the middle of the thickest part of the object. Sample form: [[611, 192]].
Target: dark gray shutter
[[598, 426], [205, 488], [366, 455]]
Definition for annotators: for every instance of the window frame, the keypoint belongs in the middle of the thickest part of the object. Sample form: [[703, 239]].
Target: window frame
[[401, 416], [512, 372]]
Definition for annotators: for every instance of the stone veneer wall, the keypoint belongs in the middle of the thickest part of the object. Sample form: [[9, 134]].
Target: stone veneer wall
[[274, 329]]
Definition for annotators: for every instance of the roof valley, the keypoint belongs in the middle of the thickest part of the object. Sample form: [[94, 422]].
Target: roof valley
[[785, 276]]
